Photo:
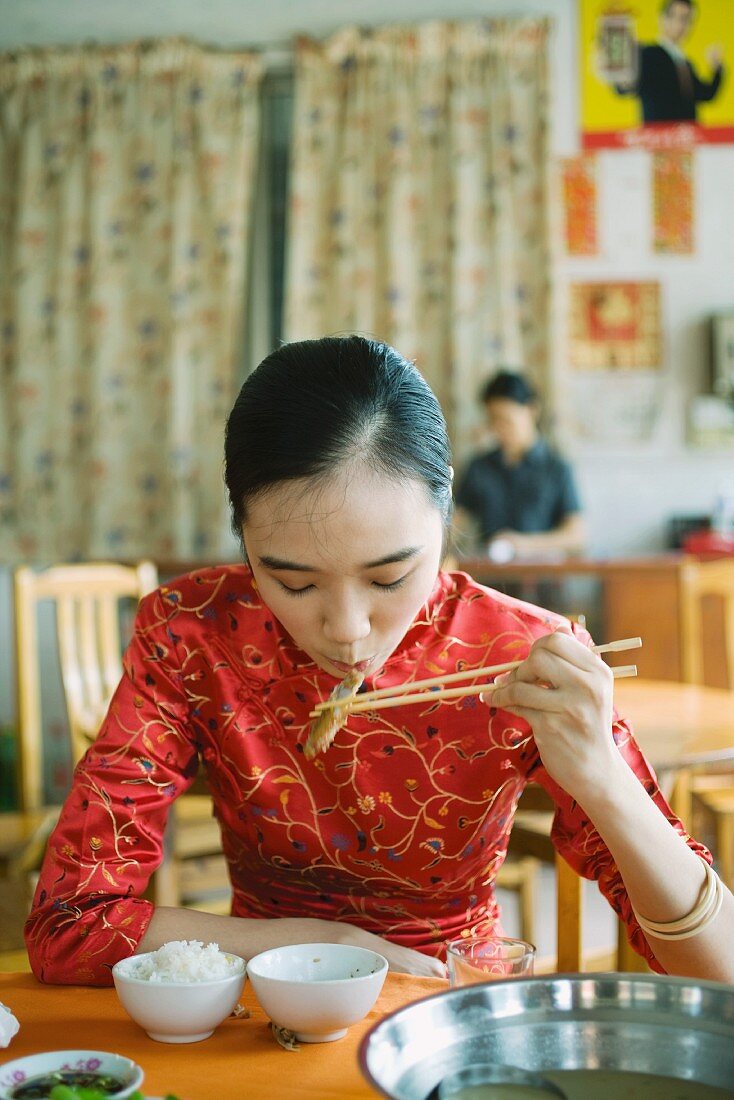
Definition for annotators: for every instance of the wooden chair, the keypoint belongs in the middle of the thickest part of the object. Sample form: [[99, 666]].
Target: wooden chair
[[15, 902], [90, 601], [89, 636], [519, 876], [707, 647], [530, 836], [707, 622]]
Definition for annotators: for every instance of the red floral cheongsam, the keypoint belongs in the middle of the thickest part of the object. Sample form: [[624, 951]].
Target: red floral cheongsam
[[400, 827]]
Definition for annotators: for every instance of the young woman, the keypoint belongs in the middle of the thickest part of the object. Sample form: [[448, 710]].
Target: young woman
[[337, 465]]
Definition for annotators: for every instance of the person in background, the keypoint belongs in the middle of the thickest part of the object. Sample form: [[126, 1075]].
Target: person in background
[[667, 83], [521, 495]]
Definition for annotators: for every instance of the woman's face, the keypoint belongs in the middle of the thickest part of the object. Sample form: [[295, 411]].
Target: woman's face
[[345, 565]]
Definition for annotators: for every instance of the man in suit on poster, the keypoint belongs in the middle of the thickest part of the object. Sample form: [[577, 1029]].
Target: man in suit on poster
[[668, 86]]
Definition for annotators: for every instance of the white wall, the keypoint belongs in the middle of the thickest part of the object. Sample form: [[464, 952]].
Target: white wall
[[631, 491]]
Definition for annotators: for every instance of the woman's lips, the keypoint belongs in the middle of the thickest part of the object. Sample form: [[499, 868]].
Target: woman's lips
[[358, 666]]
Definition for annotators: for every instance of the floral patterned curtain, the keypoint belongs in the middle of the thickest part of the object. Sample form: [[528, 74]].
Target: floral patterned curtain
[[126, 177], [418, 209]]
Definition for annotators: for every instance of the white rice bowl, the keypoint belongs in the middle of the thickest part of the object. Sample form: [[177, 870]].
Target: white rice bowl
[[183, 961], [182, 991]]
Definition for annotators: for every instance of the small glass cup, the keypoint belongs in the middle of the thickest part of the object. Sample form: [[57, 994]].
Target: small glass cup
[[488, 959]]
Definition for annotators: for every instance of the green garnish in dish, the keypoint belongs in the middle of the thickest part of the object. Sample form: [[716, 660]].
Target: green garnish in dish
[[79, 1092], [68, 1092]]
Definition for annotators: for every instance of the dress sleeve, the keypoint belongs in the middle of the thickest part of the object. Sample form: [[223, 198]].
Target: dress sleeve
[[577, 840], [88, 909]]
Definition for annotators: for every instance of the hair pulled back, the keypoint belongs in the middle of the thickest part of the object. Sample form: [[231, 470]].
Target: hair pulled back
[[313, 406]]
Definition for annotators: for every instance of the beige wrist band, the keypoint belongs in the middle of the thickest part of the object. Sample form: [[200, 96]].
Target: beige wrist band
[[703, 913]]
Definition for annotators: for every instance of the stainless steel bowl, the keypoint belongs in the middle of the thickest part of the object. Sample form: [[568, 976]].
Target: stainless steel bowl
[[672, 1027]]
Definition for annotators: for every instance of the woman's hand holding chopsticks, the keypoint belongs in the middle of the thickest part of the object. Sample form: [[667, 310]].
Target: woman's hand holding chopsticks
[[446, 686], [564, 691]]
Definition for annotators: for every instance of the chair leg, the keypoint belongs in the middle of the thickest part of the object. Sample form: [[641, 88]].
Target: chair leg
[[628, 961], [725, 847], [165, 886], [527, 899], [569, 898], [681, 798]]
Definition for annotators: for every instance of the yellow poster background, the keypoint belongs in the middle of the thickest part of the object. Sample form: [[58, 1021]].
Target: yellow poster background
[[604, 111]]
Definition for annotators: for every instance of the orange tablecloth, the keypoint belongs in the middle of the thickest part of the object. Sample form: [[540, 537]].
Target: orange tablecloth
[[240, 1061]]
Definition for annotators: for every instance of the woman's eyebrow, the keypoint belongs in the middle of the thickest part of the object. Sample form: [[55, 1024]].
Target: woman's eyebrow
[[282, 563], [405, 554], [270, 562]]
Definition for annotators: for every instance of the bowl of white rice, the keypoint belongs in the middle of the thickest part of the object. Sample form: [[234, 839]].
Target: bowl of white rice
[[182, 991]]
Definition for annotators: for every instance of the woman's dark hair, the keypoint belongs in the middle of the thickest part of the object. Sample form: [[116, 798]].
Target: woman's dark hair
[[509, 386], [314, 405]]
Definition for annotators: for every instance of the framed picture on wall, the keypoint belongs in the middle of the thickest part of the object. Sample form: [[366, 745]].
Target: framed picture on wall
[[723, 353], [615, 326]]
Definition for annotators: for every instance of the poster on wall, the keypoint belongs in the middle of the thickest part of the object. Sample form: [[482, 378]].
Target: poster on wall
[[672, 201], [579, 190], [617, 386], [654, 73], [615, 326]]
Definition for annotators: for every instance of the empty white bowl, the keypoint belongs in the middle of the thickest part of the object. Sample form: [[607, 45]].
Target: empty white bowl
[[13, 1075], [177, 1012], [317, 989]]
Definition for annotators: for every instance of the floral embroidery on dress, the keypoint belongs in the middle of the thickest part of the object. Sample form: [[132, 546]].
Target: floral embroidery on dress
[[400, 828]]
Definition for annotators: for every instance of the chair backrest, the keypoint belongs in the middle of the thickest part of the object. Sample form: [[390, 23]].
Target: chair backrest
[[87, 598], [707, 622]]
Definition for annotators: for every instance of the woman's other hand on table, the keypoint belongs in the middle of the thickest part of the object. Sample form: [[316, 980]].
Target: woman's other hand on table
[[402, 960]]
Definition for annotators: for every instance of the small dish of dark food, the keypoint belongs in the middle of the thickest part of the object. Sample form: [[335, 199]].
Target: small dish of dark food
[[39, 1088], [58, 1074]]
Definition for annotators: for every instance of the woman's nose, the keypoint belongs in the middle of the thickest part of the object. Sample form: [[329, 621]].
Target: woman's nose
[[346, 622]]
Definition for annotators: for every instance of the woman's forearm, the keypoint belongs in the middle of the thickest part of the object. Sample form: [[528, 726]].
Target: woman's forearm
[[246, 936], [662, 875], [240, 935]]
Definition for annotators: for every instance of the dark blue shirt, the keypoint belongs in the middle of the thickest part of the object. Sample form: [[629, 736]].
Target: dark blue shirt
[[535, 494]]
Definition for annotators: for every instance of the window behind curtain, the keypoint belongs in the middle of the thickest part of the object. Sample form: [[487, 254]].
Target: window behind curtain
[[264, 310]]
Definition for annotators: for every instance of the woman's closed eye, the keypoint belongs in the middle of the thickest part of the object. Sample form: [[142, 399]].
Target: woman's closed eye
[[296, 591], [391, 586], [383, 586]]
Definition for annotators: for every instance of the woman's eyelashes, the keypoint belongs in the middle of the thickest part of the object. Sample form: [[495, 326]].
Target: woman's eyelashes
[[389, 586], [296, 591]]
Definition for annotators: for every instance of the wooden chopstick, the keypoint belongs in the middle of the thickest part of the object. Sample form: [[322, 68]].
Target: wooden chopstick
[[468, 674], [358, 706]]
